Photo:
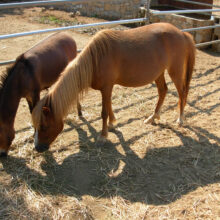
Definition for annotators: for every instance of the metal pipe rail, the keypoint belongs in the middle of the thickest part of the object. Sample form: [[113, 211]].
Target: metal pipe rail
[[207, 43], [57, 2], [108, 23], [40, 3], [184, 11], [200, 28], [6, 62], [197, 3]]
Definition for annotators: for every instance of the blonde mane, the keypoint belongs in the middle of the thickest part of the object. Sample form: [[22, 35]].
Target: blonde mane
[[75, 79]]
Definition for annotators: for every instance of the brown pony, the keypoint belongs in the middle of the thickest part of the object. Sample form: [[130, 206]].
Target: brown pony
[[129, 58], [33, 71]]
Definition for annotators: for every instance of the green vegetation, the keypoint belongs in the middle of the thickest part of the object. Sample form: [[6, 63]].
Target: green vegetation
[[51, 19]]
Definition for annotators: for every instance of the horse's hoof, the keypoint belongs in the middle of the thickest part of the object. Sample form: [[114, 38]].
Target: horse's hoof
[[179, 122], [101, 140], [40, 148], [111, 126], [80, 114], [151, 119]]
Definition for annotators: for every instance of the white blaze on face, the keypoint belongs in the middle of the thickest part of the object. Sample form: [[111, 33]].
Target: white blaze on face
[[36, 138]]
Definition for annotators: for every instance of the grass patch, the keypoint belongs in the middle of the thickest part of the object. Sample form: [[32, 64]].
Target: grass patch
[[51, 19]]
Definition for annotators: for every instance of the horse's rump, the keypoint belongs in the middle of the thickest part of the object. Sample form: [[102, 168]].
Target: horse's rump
[[49, 57]]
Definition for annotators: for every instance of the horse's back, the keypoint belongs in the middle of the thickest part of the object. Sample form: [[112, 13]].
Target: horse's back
[[53, 46], [50, 56], [143, 53], [152, 37]]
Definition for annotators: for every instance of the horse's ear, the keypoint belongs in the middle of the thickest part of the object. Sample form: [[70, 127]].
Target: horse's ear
[[46, 110]]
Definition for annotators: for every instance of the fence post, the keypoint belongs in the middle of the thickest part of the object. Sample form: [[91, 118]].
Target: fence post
[[148, 14]]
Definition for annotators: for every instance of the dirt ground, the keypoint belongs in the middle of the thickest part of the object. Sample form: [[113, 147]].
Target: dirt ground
[[159, 171]]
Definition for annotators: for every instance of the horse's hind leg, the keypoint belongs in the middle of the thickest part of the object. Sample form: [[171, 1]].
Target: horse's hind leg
[[162, 90], [177, 77]]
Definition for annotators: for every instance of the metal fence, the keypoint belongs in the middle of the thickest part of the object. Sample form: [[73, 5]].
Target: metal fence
[[41, 3], [102, 24]]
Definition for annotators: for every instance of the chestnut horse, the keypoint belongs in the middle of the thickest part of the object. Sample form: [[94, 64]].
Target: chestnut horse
[[129, 58], [33, 71]]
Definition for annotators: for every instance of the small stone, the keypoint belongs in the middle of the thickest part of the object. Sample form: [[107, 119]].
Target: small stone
[[72, 15], [77, 13], [43, 9]]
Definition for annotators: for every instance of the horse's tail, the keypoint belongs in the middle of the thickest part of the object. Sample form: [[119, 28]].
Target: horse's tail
[[190, 61]]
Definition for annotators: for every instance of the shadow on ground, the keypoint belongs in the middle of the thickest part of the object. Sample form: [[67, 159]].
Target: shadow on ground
[[161, 177], [11, 11]]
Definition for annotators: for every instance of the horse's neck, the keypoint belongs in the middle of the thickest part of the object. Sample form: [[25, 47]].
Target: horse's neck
[[76, 80], [10, 99], [62, 99]]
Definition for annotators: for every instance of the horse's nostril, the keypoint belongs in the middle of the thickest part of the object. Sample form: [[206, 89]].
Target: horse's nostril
[[41, 148]]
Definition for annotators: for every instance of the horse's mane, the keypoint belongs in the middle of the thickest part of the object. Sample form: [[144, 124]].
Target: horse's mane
[[76, 78], [4, 77]]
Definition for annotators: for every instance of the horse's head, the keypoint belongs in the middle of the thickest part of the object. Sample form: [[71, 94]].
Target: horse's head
[[7, 134], [46, 129]]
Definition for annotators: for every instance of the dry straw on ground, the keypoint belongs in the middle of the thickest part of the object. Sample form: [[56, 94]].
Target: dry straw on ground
[[156, 171]]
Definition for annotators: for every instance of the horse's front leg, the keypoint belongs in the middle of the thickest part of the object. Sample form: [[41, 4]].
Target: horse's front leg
[[112, 119], [33, 99], [106, 107], [79, 109], [30, 105]]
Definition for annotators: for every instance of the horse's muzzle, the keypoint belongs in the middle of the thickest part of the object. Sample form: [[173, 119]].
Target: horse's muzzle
[[3, 153], [41, 147]]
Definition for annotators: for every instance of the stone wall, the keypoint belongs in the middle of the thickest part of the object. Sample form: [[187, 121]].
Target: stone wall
[[115, 9]]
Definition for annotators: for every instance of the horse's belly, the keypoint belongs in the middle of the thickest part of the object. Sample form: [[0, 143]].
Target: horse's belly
[[136, 79], [139, 70], [133, 84]]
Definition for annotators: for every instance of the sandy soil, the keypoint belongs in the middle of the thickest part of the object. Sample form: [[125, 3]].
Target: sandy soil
[[157, 171]]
